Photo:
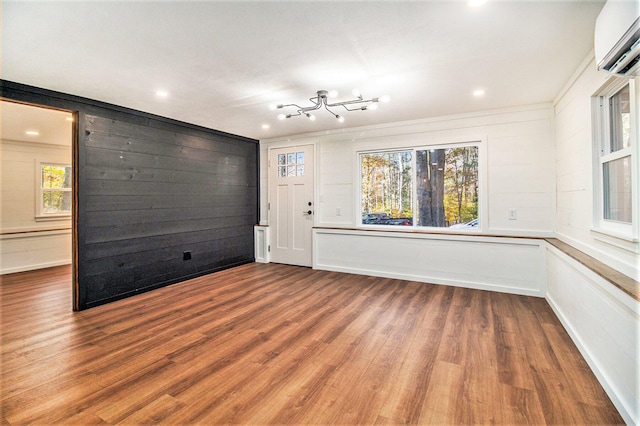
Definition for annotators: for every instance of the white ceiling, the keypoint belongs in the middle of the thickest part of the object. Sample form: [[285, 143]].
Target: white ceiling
[[44, 125], [223, 63]]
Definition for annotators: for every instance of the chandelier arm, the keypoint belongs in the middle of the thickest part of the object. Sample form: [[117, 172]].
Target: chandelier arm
[[313, 108], [355, 101], [355, 109], [327, 108], [290, 105]]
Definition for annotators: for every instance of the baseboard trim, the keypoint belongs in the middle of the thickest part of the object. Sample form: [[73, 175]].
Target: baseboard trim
[[25, 268], [431, 280]]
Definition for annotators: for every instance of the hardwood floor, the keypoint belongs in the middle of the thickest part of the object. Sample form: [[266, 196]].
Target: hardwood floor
[[277, 344]]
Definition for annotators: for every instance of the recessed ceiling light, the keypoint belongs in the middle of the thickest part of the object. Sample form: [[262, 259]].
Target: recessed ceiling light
[[32, 133], [476, 3], [265, 126], [478, 92], [161, 93]]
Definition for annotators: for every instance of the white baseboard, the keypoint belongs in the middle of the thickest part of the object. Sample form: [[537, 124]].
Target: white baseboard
[[24, 268], [431, 280]]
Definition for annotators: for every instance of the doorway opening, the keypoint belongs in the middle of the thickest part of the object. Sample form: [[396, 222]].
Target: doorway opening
[[37, 145]]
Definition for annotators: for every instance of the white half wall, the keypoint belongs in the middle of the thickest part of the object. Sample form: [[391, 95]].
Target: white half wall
[[34, 250], [604, 323], [511, 265]]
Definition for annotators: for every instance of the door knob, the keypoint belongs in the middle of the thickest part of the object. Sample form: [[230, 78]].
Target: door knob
[[307, 213]]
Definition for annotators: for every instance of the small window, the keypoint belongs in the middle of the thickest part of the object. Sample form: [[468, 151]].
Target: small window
[[615, 160], [54, 190], [424, 187], [291, 164]]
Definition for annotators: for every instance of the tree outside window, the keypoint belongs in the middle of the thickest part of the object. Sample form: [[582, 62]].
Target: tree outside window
[[55, 189], [446, 187]]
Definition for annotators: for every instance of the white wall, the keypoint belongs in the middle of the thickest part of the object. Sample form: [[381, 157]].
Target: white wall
[[519, 160], [603, 321], [517, 170], [26, 244], [574, 170]]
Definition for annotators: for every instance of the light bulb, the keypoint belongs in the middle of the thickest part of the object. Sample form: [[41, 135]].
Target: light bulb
[[384, 98], [281, 116], [356, 93], [311, 117], [340, 118], [372, 107], [333, 93]]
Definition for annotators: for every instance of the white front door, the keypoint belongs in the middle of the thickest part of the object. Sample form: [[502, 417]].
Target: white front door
[[291, 205]]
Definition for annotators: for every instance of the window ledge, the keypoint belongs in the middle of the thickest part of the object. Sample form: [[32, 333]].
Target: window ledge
[[623, 241], [53, 217], [616, 278]]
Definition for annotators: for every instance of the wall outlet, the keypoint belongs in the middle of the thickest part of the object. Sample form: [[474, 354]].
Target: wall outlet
[[186, 255], [338, 211], [513, 214]]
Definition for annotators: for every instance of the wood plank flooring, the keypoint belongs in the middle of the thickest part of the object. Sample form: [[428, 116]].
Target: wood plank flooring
[[277, 344]]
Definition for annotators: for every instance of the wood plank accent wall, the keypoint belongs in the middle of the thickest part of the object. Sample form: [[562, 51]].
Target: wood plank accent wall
[[148, 190]]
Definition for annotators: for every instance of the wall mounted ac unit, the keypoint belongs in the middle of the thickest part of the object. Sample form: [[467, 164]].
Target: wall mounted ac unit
[[617, 38]]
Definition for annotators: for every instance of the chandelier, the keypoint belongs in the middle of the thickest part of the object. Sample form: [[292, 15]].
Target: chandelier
[[321, 100]]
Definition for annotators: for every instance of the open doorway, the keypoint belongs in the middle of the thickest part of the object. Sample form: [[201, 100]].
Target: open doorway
[[36, 157]]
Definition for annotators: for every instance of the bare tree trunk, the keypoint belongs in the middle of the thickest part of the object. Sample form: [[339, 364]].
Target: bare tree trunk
[[430, 187]]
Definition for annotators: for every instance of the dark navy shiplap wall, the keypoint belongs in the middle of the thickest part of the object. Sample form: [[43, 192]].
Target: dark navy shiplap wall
[[149, 189]]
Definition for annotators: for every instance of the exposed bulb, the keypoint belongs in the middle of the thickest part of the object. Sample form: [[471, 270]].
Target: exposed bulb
[[333, 93], [384, 98], [281, 116], [311, 117], [356, 93], [372, 107], [340, 118]]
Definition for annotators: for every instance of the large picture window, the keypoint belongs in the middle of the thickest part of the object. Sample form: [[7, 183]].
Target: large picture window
[[616, 159], [425, 187]]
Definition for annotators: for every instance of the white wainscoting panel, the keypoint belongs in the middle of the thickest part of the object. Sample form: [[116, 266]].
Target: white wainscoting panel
[[511, 265], [604, 323], [34, 250]]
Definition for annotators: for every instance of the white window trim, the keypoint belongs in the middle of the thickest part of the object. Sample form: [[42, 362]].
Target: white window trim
[[483, 219], [40, 216], [619, 234]]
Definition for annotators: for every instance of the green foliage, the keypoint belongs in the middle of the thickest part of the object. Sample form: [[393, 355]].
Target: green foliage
[[388, 178], [387, 183], [461, 184], [56, 185]]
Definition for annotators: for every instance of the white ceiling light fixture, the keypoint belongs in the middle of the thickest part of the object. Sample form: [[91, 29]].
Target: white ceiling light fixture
[[320, 101], [32, 133], [478, 92]]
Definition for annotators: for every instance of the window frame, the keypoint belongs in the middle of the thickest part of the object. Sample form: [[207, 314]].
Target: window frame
[[482, 188], [40, 214], [621, 234]]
